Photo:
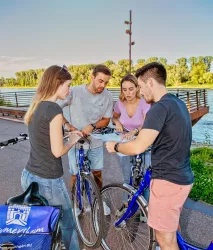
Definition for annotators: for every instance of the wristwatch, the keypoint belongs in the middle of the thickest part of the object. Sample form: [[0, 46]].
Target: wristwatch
[[93, 125], [116, 147], [137, 131]]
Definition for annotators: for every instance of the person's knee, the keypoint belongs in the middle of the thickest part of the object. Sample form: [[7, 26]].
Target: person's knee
[[166, 239]]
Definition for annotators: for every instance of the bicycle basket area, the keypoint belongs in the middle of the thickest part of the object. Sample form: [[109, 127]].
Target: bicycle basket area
[[28, 227]]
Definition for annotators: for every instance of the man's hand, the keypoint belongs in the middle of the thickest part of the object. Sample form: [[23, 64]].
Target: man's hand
[[110, 146], [87, 130]]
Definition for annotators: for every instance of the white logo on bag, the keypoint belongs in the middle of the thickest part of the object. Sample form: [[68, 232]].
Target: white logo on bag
[[17, 215]]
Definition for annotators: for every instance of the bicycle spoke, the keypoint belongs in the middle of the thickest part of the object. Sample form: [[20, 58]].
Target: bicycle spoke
[[131, 233]]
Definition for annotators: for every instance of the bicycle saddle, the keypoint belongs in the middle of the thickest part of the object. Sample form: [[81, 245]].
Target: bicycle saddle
[[30, 197]]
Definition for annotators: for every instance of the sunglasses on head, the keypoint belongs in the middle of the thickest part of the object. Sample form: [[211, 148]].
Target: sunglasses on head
[[64, 68]]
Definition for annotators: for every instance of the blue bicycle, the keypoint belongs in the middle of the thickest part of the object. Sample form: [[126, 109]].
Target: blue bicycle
[[126, 227], [87, 201]]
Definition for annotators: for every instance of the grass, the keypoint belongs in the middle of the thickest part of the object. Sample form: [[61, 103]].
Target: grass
[[202, 166]]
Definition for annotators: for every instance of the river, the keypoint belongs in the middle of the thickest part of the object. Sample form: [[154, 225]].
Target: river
[[202, 131]]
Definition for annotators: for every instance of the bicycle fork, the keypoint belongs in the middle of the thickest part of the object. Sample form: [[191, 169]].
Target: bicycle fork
[[79, 179]]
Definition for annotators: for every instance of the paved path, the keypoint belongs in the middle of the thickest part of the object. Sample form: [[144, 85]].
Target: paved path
[[194, 225]]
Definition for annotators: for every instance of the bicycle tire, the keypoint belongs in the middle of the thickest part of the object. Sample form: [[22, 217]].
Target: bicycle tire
[[97, 229], [112, 239]]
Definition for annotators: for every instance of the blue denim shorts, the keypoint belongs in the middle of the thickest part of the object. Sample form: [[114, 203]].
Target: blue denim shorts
[[95, 156]]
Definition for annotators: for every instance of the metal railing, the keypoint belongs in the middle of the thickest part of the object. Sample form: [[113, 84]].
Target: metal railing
[[16, 99], [194, 99]]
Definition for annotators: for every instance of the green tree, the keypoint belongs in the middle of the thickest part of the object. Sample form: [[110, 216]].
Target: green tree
[[163, 61], [208, 60], [151, 59], [197, 72]]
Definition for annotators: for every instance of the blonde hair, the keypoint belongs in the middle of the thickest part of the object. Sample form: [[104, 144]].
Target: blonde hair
[[52, 78], [132, 79]]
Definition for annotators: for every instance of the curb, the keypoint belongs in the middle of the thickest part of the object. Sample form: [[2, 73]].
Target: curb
[[199, 206], [11, 119]]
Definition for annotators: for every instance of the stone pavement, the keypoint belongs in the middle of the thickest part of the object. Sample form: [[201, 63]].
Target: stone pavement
[[196, 227]]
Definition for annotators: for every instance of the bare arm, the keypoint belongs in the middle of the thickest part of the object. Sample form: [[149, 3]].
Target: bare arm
[[99, 124], [58, 147], [115, 120], [115, 117], [102, 123], [145, 139], [68, 126]]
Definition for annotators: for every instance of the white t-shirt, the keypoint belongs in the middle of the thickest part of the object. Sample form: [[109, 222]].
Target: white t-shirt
[[87, 108]]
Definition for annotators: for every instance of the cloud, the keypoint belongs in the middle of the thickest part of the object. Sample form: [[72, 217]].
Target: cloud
[[6, 60], [10, 65]]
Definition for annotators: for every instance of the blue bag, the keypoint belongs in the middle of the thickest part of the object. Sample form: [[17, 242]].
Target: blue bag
[[28, 227]]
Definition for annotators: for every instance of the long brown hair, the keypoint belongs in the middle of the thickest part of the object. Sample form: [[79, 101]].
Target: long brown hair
[[52, 78], [132, 79]]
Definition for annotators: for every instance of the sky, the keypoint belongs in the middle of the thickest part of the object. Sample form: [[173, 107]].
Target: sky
[[38, 34]]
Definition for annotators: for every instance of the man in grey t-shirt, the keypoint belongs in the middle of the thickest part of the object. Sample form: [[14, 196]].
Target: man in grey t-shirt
[[90, 107]]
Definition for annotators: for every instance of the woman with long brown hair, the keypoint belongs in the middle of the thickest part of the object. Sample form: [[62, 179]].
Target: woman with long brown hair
[[44, 119], [129, 114]]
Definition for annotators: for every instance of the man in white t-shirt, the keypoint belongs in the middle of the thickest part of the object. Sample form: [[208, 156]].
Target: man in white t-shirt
[[90, 108]]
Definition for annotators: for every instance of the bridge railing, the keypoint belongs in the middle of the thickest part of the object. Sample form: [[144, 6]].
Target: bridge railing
[[16, 99], [193, 98]]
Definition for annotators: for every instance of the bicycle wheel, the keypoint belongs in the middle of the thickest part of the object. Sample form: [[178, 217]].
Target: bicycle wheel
[[133, 233], [89, 221]]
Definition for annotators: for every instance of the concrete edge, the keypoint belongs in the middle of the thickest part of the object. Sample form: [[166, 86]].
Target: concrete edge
[[199, 206], [11, 119]]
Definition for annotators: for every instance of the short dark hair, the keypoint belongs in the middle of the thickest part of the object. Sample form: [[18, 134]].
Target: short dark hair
[[153, 70], [100, 68]]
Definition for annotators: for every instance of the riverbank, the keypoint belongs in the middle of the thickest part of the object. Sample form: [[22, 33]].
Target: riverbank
[[187, 86], [191, 86]]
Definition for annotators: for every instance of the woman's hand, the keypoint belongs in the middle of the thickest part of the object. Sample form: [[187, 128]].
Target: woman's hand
[[119, 127], [75, 136], [128, 136]]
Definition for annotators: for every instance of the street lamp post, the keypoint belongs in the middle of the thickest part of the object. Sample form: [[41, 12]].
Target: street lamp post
[[129, 32]]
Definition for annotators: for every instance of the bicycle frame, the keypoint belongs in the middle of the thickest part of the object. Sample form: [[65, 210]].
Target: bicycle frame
[[183, 245], [81, 169], [133, 206]]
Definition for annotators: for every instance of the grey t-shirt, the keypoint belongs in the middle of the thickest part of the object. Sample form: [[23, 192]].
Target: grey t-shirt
[[87, 108], [171, 149], [41, 161]]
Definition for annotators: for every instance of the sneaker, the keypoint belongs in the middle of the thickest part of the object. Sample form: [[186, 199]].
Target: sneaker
[[107, 210], [121, 211]]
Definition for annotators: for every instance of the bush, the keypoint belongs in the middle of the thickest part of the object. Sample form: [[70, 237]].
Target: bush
[[2, 102], [202, 166], [5, 103]]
